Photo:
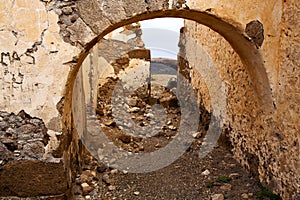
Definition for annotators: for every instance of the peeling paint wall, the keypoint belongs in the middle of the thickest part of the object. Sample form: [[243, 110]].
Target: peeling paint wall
[[32, 51], [33, 75]]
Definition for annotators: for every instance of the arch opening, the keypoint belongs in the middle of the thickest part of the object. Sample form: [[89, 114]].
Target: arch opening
[[230, 30], [248, 53]]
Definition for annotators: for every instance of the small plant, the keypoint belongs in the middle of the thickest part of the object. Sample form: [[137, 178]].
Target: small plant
[[264, 192], [210, 184], [223, 179]]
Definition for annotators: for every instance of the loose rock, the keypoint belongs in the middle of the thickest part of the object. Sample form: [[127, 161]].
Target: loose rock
[[205, 172], [217, 197], [245, 196], [106, 179], [111, 187], [125, 138], [110, 123], [86, 188], [226, 186], [101, 168], [134, 109]]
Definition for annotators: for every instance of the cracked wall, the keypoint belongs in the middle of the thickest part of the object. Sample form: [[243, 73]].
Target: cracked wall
[[33, 77], [31, 52]]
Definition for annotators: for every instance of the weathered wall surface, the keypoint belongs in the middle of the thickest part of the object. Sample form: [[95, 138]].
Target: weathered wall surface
[[261, 141], [107, 59], [31, 52], [43, 44], [32, 78]]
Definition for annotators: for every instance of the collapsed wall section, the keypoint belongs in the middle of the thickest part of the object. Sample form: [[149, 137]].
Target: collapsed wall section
[[27, 166]]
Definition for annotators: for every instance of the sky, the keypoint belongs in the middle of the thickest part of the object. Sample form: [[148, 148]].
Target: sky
[[161, 36]]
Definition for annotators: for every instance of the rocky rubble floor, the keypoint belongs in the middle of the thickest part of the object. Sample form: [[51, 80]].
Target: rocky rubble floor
[[215, 177]]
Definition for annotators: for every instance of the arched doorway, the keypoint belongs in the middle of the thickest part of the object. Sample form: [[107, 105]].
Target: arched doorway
[[247, 51], [250, 56]]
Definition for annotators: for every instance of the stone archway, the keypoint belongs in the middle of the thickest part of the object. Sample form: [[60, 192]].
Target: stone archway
[[247, 51], [230, 30]]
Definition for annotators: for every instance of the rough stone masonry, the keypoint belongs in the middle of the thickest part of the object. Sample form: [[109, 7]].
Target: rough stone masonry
[[44, 42]]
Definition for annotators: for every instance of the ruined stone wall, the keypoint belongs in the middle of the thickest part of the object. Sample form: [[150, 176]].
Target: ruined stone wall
[[106, 60], [33, 73], [266, 144]]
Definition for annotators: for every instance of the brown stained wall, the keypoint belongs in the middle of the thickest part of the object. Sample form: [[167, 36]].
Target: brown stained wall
[[288, 98], [267, 144]]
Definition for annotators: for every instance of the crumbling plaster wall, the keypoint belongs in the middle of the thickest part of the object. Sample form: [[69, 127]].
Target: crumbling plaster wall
[[32, 55], [267, 144], [106, 59], [33, 74]]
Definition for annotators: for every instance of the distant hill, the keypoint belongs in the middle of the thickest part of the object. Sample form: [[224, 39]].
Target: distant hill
[[163, 66]]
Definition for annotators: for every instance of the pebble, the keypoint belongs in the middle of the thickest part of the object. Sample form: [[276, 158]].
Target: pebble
[[3, 125], [150, 115], [109, 181], [110, 123], [111, 187], [134, 109], [152, 122], [245, 196], [125, 139], [101, 168], [173, 128], [226, 186], [129, 125], [87, 176], [114, 171], [86, 188], [67, 10], [136, 193], [131, 102], [141, 148], [197, 134], [205, 172], [217, 197]]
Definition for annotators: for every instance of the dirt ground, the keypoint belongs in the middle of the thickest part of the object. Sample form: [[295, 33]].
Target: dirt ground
[[215, 177]]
